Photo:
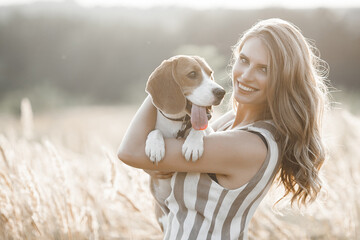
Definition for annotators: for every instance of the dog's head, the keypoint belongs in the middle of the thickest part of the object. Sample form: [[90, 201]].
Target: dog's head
[[182, 81]]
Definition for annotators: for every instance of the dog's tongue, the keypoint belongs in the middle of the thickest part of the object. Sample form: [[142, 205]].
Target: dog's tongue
[[199, 118]]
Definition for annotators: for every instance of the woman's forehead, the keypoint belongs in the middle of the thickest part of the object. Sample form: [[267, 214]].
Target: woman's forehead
[[254, 49]]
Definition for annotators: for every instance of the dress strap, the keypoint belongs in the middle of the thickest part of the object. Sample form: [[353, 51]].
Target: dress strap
[[267, 125], [262, 138]]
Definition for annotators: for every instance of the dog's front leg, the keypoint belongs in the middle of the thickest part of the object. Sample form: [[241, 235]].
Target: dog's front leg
[[155, 146], [193, 146]]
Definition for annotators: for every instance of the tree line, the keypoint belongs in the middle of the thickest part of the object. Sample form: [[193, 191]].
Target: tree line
[[107, 54]]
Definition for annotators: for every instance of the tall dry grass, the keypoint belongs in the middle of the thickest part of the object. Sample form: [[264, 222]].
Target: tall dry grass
[[60, 179]]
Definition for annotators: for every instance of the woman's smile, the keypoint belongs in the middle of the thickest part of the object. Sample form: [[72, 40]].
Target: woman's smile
[[246, 88]]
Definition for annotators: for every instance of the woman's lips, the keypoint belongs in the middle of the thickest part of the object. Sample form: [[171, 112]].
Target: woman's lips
[[246, 88]]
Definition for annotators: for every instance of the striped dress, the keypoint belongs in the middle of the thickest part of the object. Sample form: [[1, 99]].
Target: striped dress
[[200, 208]]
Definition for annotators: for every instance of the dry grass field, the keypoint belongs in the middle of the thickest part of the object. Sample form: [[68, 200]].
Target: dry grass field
[[60, 179]]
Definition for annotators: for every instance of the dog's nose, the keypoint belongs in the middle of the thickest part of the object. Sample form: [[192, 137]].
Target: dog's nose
[[219, 93]]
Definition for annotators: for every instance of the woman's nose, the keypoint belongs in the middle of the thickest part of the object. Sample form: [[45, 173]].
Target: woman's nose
[[247, 74]]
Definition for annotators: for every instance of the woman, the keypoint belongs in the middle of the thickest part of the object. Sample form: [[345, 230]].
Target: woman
[[279, 96]]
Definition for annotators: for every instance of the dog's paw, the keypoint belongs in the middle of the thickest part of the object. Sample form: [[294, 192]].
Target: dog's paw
[[155, 146], [193, 146]]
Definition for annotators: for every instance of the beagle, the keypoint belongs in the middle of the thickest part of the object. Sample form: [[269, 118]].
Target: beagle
[[183, 90]]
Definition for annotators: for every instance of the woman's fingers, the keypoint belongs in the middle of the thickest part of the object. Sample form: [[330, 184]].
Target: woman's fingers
[[159, 174]]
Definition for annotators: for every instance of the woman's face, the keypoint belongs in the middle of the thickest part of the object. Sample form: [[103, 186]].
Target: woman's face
[[251, 73]]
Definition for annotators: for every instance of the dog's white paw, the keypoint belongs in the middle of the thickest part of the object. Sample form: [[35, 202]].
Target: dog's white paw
[[155, 146], [193, 146]]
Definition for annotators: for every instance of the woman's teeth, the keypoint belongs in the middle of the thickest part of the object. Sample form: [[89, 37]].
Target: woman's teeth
[[247, 89]]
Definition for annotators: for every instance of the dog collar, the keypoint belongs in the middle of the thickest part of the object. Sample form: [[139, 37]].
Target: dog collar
[[186, 124], [181, 119], [184, 127]]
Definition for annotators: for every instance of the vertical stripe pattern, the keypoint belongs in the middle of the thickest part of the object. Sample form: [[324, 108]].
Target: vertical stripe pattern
[[200, 208], [201, 199]]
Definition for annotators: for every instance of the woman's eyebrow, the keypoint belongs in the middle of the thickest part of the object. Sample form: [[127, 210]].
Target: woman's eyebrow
[[243, 55], [263, 65]]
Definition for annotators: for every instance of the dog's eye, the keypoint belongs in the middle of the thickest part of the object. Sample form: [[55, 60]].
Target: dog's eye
[[192, 74]]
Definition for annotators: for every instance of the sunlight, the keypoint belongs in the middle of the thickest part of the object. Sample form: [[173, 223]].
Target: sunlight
[[202, 4]]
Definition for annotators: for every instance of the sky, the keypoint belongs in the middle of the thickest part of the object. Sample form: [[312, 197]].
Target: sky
[[203, 4]]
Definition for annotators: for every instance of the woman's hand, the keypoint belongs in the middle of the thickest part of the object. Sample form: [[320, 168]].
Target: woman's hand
[[159, 174]]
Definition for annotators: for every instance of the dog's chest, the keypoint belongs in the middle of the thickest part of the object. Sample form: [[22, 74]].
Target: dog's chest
[[168, 127]]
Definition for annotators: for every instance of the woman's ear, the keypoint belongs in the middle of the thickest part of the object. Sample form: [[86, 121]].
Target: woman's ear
[[165, 92]]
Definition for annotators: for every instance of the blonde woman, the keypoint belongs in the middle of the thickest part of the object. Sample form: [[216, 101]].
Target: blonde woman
[[279, 96]]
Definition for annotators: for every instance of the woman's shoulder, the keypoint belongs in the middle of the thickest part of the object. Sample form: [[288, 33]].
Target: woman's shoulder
[[223, 120], [242, 154], [254, 149], [238, 149]]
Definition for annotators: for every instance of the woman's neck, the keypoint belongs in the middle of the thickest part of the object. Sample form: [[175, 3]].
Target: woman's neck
[[246, 114]]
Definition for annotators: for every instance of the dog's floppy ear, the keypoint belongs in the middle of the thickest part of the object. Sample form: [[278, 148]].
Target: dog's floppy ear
[[165, 92]]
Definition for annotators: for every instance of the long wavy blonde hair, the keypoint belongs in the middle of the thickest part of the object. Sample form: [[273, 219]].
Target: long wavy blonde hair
[[297, 97]]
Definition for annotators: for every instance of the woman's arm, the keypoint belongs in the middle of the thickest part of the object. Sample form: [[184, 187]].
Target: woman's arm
[[133, 143], [228, 152]]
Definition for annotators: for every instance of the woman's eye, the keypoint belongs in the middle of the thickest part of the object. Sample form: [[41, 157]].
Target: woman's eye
[[192, 74], [243, 60], [264, 69]]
